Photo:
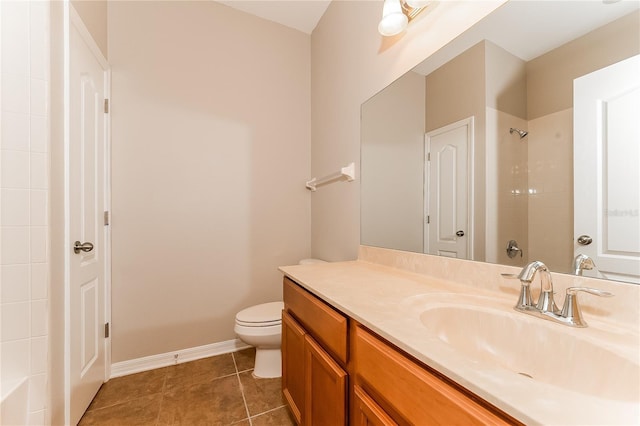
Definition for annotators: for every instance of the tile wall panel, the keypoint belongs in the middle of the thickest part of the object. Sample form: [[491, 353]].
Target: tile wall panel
[[24, 198]]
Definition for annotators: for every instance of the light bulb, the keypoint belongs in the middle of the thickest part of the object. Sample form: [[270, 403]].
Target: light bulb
[[393, 20]]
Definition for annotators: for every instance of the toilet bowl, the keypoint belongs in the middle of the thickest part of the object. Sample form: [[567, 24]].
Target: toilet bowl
[[261, 326]]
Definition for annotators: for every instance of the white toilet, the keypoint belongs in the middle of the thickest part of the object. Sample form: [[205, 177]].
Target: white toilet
[[261, 326]]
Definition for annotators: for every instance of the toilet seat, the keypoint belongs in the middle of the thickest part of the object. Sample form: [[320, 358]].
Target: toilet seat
[[264, 315], [259, 324]]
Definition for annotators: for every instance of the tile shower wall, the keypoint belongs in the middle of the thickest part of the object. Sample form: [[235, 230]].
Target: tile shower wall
[[24, 29], [551, 189]]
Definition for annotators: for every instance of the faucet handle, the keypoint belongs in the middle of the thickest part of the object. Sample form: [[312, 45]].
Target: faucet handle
[[525, 301], [594, 291], [571, 309], [510, 276]]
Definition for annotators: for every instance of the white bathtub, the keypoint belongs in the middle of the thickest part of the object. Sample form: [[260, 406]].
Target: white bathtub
[[14, 402]]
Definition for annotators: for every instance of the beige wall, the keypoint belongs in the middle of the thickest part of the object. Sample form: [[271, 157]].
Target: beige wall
[[457, 90], [210, 135], [350, 63], [392, 200], [550, 76], [506, 81], [94, 15]]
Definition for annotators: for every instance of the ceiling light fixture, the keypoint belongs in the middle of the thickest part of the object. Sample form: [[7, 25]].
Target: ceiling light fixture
[[396, 15]]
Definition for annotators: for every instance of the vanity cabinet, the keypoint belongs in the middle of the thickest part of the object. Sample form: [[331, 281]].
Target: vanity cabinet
[[385, 387], [314, 357]]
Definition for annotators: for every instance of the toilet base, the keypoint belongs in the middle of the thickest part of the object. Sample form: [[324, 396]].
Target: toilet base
[[268, 363]]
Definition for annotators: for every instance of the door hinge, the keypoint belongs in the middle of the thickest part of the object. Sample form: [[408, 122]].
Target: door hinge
[[428, 156], [106, 331], [107, 218], [428, 219], [106, 106]]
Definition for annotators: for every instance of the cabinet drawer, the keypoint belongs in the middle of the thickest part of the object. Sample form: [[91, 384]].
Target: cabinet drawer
[[324, 323], [409, 392]]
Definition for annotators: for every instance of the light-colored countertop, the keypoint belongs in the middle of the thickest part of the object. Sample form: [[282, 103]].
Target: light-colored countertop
[[389, 301]]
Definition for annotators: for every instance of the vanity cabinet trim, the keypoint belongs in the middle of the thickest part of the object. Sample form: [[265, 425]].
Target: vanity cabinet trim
[[323, 322]]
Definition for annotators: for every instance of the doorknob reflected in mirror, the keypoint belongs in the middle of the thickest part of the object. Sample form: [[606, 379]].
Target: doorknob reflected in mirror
[[513, 249], [584, 240], [85, 247]]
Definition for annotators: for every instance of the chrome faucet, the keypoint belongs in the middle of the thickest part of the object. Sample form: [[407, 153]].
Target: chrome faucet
[[582, 262], [546, 307], [545, 301]]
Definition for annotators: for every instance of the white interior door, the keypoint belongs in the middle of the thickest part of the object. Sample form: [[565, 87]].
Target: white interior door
[[606, 168], [447, 232], [86, 204]]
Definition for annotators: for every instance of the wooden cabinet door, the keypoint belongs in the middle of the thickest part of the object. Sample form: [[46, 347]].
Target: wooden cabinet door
[[293, 358], [326, 388], [367, 412]]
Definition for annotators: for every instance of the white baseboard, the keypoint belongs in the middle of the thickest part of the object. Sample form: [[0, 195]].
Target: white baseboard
[[152, 362]]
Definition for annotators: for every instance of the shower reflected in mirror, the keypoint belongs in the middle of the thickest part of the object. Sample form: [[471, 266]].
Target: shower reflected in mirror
[[522, 133]]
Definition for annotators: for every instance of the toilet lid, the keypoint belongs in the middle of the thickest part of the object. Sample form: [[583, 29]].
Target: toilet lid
[[261, 315]]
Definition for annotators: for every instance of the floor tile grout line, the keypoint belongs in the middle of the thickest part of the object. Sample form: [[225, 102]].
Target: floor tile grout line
[[167, 387], [209, 379], [164, 388], [244, 399], [126, 401], [268, 411]]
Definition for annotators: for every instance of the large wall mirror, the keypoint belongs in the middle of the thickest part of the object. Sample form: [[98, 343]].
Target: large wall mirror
[[518, 141]]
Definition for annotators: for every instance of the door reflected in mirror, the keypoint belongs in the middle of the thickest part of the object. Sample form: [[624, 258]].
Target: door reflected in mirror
[[474, 148]]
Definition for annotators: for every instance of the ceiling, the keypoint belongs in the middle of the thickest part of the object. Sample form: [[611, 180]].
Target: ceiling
[[528, 29], [302, 15]]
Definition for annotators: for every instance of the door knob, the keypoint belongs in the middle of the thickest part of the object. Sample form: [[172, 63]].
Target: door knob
[[85, 247], [460, 233], [584, 240], [513, 249]]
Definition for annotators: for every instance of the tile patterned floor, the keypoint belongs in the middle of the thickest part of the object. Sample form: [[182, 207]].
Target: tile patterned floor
[[220, 390]]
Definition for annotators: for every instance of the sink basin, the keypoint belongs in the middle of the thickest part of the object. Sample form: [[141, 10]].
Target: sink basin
[[493, 334]]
